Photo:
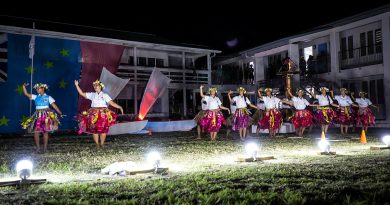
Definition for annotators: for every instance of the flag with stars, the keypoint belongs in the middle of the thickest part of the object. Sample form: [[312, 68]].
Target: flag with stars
[[56, 63]]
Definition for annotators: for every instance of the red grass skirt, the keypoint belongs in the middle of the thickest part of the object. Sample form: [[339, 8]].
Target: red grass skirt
[[271, 120], [96, 120], [302, 118], [199, 116], [325, 115], [365, 117], [212, 121], [241, 119], [42, 121], [344, 116]]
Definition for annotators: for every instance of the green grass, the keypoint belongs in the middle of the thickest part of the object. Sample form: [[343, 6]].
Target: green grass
[[201, 172]]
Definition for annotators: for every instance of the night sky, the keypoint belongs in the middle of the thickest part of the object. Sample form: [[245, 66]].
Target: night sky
[[229, 28]]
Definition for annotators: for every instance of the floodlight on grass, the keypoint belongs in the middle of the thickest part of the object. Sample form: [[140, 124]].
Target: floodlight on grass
[[252, 149], [24, 169], [155, 159], [324, 146], [386, 140]]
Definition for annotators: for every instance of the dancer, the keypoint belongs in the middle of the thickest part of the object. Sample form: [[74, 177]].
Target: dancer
[[199, 116], [213, 118], [302, 118], [344, 112], [272, 118], [241, 118], [44, 120], [324, 113], [365, 116], [99, 118]]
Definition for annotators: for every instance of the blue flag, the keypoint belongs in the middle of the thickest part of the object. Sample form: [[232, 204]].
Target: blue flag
[[56, 63]]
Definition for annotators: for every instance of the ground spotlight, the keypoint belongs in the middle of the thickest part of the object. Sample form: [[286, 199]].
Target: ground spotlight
[[251, 149], [24, 169], [386, 140], [324, 146], [155, 159]]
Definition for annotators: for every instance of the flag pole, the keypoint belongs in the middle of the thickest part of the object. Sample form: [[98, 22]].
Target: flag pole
[[32, 63]]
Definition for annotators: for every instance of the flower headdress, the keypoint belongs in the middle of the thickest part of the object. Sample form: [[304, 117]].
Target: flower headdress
[[41, 85], [97, 82]]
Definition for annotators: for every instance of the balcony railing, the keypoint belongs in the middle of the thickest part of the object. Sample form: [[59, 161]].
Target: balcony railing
[[180, 76], [359, 57]]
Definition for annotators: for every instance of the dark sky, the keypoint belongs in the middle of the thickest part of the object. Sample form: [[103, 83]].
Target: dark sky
[[228, 27]]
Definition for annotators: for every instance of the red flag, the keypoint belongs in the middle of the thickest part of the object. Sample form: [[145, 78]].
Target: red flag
[[95, 57], [156, 86]]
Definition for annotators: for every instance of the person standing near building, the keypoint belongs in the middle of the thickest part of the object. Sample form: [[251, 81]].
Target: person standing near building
[[44, 120], [325, 114], [302, 118], [241, 118], [344, 111], [99, 118], [365, 116], [213, 118], [272, 118]]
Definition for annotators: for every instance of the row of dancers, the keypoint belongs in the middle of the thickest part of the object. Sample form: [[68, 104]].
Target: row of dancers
[[324, 113], [99, 118]]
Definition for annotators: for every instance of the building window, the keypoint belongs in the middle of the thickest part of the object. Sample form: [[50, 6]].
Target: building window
[[151, 62], [363, 48], [141, 61], [350, 46], [343, 48], [378, 40], [131, 60], [159, 62], [370, 42]]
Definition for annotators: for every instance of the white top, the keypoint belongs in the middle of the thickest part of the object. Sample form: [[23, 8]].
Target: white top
[[241, 101], [51, 100], [343, 100], [204, 105], [300, 103], [212, 102], [363, 102], [324, 100], [233, 108], [271, 102], [98, 100]]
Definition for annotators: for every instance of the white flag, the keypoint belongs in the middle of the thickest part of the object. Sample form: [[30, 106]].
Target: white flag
[[32, 47]]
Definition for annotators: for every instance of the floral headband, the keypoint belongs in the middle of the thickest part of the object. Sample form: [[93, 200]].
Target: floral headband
[[41, 85], [213, 88], [344, 89], [362, 93], [97, 82], [241, 88], [300, 90], [268, 89], [324, 88]]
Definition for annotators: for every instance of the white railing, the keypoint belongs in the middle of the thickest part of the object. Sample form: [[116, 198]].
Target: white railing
[[183, 76]]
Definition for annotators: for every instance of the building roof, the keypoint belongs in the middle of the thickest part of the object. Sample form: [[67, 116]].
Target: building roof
[[89, 31]]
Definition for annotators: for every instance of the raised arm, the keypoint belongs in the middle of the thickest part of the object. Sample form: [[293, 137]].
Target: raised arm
[[289, 92], [76, 83], [230, 97], [113, 104], [201, 91], [25, 91]]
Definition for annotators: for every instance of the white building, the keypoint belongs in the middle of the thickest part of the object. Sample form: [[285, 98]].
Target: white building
[[353, 52], [187, 65]]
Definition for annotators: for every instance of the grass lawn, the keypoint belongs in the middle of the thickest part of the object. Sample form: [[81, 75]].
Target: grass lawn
[[200, 171]]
